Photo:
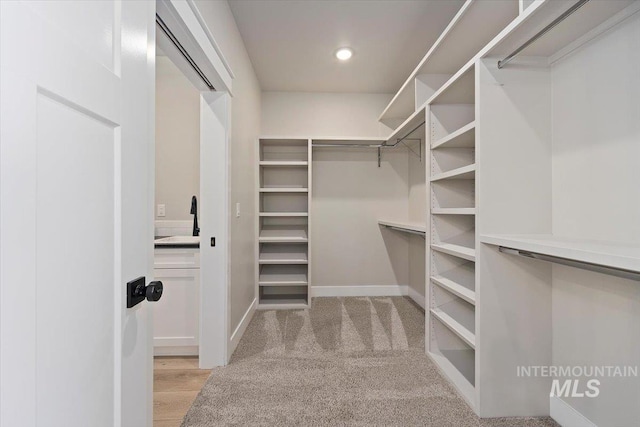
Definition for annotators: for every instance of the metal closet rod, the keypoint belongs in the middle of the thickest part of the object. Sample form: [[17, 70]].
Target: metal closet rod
[[542, 32], [398, 141], [598, 268]]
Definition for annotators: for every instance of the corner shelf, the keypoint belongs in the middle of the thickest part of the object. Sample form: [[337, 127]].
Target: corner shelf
[[465, 172]]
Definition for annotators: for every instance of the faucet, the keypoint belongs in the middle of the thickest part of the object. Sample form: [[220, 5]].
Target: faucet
[[194, 212]]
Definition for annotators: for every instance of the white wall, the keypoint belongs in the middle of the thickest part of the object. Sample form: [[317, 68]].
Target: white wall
[[245, 127], [177, 141], [350, 192], [596, 147]]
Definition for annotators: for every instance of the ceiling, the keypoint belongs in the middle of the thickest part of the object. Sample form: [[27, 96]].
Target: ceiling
[[292, 43]]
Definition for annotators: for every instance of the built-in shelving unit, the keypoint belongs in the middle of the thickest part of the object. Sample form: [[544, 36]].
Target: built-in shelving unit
[[452, 218], [282, 222]]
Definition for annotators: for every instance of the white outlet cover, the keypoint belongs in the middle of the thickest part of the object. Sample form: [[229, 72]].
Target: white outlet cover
[[237, 210], [161, 210]]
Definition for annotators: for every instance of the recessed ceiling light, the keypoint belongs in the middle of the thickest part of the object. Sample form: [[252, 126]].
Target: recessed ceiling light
[[344, 53]]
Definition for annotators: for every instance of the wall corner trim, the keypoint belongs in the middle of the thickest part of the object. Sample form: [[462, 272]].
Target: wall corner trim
[[565, 415]]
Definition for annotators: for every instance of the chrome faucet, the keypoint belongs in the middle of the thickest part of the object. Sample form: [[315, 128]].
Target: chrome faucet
[[194, 212]]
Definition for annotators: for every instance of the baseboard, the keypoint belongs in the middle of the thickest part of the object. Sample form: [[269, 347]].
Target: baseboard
[[242, 327], [360, 291], [416, 297], [179, 350], [565, 415]]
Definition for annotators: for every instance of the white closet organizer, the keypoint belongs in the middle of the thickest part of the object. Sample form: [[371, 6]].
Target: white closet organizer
[[500, 175], [282, 223]]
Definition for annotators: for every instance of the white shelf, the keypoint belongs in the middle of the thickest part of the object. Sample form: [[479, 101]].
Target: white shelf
[[452, 363], [268, 163], [453, 211], [283, 275], [459, 89], [284, 214], [608, 254], [283, 304], [409, 226], [475, 24], [409, 124], [455, 250], [463, 333], [283, 234], [465, 172], [284, 190], [263, 260], [462, 138], [459, 281]]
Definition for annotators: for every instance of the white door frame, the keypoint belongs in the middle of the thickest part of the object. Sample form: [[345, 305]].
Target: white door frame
[[187, 24]]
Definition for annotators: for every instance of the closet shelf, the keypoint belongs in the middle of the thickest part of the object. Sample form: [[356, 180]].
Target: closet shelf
[[475, 24], [459, 89], [282, 234], [463, 333], [461, 138], [284, 190], [465, 172], [608, 254], [453, 211], [299, 303], [455, 250], [268, 163], [455, 288], [284, 214], [453, 363], [412, 227]]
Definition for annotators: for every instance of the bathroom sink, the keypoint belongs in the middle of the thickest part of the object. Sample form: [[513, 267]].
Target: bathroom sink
[[179, 241]]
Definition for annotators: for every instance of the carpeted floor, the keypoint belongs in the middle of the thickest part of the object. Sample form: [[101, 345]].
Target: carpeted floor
[[344, 362]]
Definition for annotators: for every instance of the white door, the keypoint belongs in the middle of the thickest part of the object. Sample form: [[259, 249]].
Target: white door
[[76, 162]]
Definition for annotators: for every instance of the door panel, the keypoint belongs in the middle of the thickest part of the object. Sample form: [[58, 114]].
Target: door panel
[[76, 160], [74, 290]]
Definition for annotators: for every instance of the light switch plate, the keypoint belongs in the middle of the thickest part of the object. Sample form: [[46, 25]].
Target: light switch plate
[[237, 210], [161, 211]]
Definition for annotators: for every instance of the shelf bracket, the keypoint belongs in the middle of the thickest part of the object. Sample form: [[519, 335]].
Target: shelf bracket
[[379, 155]]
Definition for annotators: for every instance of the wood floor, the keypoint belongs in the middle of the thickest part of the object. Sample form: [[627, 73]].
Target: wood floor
[[176, 383]]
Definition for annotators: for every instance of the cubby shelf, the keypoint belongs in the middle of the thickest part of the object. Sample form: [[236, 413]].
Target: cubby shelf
[[456, 327], [459, 89], [465, 172], [455, 250], [283, 234], [462, 291], [298, 303], [284, 190], [272, 163], [461, 138], [453, 211], [453, 363], [284, 214]]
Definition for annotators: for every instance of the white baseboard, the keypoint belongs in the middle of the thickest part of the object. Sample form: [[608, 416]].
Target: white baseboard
[[179, 350], [360, 291], [416, 297], [242, 327], [565, 415]]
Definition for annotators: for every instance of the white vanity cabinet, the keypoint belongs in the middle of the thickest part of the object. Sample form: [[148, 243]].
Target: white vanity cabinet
[[176, 315]]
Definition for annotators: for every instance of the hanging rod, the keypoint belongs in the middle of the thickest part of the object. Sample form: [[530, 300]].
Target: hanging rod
[[399, 140], [173, 39], [598, 268], [542, 32], [404, 230]]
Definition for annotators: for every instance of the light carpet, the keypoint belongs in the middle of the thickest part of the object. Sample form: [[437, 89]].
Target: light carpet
[[343, 362]]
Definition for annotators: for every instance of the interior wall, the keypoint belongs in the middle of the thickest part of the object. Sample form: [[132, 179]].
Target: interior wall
[[177, 141], [417, 212], [350, 192], [245, 129], [596, 104]]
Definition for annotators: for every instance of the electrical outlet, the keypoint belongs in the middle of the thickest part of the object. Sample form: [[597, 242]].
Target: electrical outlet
[[161, 211], [237, 210]]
